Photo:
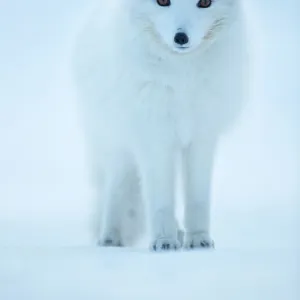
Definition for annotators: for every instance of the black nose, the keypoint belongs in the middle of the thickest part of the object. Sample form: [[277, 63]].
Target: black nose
[[181, 38]]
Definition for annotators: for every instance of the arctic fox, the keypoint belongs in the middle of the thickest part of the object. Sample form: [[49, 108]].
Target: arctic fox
[[158, 80]]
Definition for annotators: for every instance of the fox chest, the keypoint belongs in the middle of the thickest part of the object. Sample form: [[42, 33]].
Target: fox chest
[[171, 111]]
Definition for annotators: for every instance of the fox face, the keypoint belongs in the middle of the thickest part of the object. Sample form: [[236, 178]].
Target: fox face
[[184, 25]]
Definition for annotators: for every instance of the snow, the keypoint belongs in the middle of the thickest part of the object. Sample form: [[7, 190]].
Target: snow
[[93, 273], [45, 249]]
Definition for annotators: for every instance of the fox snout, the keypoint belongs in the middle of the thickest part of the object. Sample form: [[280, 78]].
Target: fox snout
[[181, 38]]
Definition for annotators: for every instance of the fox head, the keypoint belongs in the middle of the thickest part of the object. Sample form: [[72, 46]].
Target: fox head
[[182, 25]]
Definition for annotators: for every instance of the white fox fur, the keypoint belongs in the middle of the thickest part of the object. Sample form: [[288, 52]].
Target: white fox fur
[[146, 100]]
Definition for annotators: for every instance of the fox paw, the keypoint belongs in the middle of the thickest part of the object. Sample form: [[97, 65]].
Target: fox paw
[[165, 244], [108, 242], [112, 239], [198, 240]]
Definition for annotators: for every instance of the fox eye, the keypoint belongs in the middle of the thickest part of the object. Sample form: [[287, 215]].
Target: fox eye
[[204, 3], [164, 2]]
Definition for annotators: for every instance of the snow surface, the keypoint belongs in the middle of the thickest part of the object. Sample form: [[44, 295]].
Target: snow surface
[[91, 273], [45, 249]]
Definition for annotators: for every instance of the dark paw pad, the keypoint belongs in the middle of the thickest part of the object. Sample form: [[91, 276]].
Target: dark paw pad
[[206, 244], [202, 244], [165, 245], [110, 243]]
